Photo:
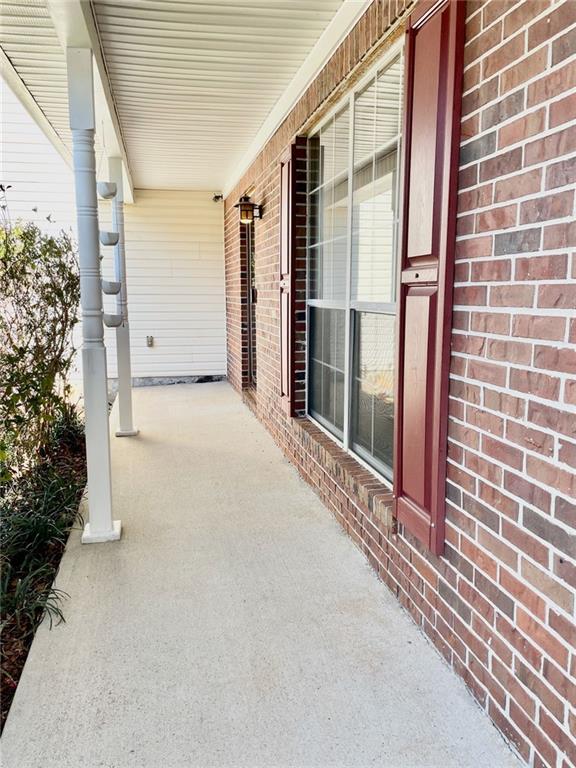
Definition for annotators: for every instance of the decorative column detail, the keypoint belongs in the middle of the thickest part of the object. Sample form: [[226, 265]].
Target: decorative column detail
[[100, 525], [126, 426]]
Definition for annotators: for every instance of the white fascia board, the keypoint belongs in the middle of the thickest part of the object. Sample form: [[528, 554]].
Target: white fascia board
[[344, 19], [11, 78], [75, 26]]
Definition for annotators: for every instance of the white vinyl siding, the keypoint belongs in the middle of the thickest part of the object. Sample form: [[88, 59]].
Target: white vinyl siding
[[175, 264], [39, 176]]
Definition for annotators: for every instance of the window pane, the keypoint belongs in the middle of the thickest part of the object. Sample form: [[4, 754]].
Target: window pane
[[376, 127], [326, 378], [327, 152], [313, 162], [373, 388], [340, 208], [328, 209], [315, 263], [326, 212], [338, 266], [364, 123], [373, 228], [352, 226], [388, 101], [314, 218], [341, 134]]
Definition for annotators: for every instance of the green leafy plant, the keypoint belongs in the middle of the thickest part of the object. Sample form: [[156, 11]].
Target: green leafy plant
[[38, 507], [42, 459], [29, 596], [37, 512], [40, 289]]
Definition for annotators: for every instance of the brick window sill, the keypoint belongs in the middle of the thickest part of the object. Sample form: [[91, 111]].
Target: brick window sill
[[353, 482]]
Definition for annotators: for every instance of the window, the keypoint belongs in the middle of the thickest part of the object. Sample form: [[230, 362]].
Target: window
[[352, 232]]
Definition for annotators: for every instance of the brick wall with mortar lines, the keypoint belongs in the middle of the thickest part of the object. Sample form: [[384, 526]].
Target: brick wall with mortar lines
[[512, 432], [499, 606]]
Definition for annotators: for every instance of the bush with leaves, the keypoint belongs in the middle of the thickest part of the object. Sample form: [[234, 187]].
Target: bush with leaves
[[37, 511], [40, 289], [42, 459]]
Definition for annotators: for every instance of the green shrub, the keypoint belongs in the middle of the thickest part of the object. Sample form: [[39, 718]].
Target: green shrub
[[42, 460], [37, 510], [40, 289]]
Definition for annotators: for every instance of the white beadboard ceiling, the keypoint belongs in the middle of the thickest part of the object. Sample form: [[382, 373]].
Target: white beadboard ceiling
[[30, 42], [195, 82], [33, 63]]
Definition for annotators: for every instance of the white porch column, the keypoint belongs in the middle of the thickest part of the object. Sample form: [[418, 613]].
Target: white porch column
[[127, 428], [100, 525]]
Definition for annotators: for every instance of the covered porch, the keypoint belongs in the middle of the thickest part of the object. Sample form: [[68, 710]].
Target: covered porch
[[234, 624], [158, 110], [360, 213]]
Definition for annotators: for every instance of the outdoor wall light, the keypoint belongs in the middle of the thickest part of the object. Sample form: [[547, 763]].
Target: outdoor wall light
[[248, 210]]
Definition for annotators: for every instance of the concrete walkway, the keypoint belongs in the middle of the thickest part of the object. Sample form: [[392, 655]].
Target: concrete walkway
[[233, 625]]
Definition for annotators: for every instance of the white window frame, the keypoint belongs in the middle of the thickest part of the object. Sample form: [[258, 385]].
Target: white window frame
[[348, 305]]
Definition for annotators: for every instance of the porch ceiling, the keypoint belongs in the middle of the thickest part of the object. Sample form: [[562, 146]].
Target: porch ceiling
[[30, 42], [194, 82]]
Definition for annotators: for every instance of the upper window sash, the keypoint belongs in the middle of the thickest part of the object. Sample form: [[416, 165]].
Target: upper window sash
[[331, 181], [395, 50]]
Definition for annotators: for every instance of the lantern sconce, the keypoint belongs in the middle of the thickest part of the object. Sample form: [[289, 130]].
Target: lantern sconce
[[248, 210]]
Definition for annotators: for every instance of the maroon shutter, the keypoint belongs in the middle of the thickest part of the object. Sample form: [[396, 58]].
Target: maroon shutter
[[286, 282], [434, 56]]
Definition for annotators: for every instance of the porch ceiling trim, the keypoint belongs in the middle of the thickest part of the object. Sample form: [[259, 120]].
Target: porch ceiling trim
[[75, 27], [17, 85], [344, 19]]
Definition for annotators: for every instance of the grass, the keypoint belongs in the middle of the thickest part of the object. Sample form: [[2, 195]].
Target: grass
[[37, 512]]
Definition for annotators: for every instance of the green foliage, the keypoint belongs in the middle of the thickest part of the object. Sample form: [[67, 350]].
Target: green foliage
[[37, 511], [42, 461], [26, 598], [40, 289]]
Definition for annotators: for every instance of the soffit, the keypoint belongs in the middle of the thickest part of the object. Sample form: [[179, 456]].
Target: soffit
[[194, 81]]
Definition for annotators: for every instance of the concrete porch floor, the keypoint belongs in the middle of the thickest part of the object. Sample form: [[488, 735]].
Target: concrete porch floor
[[233, 625]]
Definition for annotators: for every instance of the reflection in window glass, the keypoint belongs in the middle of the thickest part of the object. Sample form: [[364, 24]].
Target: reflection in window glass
[[328, 208], [388, 103], [326, 368], [327, 152], [374, 218], [352, 228], [373, 387], [341, 133], [373, 228], [364, 124]]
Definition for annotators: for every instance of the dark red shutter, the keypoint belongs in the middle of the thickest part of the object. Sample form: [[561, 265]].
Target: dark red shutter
[[286, 281], [434, 61]]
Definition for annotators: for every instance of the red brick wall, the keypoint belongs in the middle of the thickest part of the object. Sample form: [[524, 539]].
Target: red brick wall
[[499, 606], [513, 423]]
